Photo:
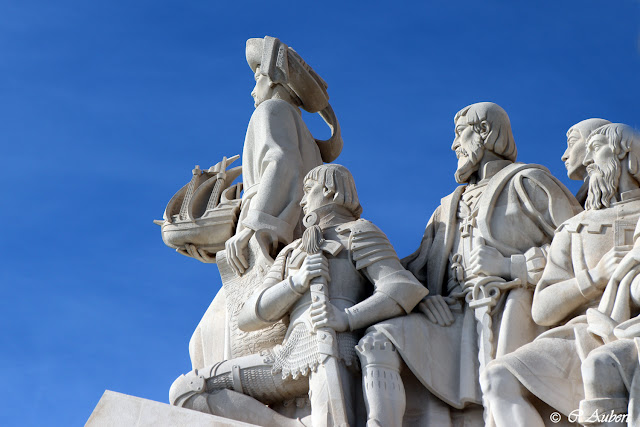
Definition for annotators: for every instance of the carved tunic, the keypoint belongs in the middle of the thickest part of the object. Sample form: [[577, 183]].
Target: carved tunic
[[463, 240]]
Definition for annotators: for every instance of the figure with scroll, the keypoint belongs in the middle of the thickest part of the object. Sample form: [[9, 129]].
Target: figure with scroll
[[492, 230], [342, 276], [573, 291]]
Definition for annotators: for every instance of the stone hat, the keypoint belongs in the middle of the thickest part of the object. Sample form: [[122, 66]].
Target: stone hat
[[283, 65]]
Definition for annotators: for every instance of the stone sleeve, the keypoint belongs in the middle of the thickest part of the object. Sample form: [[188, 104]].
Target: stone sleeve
[[561, 290], [374, 256]]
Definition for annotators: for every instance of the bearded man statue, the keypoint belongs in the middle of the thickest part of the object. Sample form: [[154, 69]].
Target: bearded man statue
[[575, 292], [497, 224], [573, 156]]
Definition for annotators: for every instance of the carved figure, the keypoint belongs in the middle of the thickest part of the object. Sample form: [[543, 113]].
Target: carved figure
[[574, 154], [341, 277], [583, 256], [496, 226], [278, 151]]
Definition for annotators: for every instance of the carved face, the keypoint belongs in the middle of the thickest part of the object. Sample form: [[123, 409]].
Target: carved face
[[263, 89], [469, 151], [604, 171], [574, 156], [598, 152], [315, 196]]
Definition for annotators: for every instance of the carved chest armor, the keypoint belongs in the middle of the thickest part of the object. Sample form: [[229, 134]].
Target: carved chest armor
[[298, 354]]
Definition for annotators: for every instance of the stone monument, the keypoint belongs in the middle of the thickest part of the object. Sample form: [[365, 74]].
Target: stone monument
[[520, 306]]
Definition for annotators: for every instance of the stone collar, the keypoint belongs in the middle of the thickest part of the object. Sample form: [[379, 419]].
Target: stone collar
[[330, 215], [630, 195], [493, 167]]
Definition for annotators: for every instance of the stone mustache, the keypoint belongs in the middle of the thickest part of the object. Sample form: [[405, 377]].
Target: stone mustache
[[518, 307]]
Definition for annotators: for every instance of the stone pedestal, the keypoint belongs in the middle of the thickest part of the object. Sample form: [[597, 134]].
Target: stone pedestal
[[121, 410]]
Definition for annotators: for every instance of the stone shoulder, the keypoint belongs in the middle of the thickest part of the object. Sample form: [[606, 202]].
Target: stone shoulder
[[574, 224], [359, 226]]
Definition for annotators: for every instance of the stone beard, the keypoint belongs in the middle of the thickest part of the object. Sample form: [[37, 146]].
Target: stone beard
[[603, 184], [469, 159]]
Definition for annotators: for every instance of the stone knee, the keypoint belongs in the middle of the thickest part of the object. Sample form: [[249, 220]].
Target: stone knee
[[601, 376], [185, 387], [496, 378], [382, 386]]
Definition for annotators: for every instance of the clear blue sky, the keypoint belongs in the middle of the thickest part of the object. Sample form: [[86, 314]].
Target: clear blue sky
[[106, 106]]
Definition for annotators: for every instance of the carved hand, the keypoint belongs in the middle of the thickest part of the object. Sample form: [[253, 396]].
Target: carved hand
[[437, 310], [236, 247], [201, 255], [630, 261], [488, 261], [327, 315], [314, 265], [608, 265]]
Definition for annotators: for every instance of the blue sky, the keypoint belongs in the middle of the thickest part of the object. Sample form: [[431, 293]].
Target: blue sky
[[106, 106]]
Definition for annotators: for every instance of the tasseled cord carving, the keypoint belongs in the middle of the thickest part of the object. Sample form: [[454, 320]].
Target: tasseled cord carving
[[312, 239]]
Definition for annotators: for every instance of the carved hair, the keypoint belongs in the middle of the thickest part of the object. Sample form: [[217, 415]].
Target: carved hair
[[585, 127], [339, 180], [624, 141], [499, 140]]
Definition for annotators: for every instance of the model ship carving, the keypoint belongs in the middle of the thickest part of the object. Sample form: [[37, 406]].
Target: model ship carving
[[204, 212]]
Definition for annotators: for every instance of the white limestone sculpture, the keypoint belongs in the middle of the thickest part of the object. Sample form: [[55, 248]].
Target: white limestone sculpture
[[576, 149], [583, 256], [610, 373], [203, 214], [492, 230], [278, 151], [322, 284]]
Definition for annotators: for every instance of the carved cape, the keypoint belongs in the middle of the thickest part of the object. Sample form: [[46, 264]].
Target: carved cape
[[519, 209]]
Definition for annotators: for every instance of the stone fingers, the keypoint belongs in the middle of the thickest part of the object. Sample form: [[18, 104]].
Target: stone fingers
[[436, 311], [241, 261], [450, 301], [627, 263], [205, 257], [425, 309], [319, 315], [319, 272], [232, 258], [444, 307], [316, 265], [190, 249]]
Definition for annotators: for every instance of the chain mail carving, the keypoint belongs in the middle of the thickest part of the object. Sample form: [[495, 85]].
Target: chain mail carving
[[238, 290], [299, 355]]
